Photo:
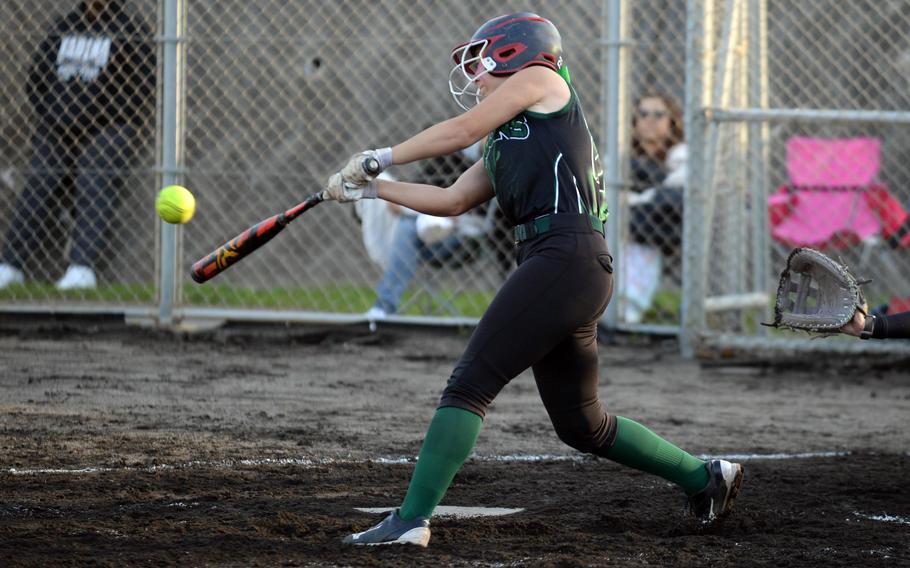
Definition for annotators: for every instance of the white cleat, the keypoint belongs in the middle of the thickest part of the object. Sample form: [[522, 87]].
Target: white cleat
[[716, 500], [393, 530]]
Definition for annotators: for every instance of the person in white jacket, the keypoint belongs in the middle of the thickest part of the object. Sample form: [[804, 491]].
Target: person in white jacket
[[398, 238]]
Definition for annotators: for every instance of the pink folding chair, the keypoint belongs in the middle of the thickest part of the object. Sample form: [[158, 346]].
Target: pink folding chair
[[833, 200]]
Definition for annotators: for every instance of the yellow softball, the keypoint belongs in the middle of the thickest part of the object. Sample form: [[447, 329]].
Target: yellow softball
[[175, 204]]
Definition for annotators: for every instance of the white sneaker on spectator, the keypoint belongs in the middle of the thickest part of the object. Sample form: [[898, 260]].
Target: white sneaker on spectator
[[375, 313], [632, 313], [9, 275], [77, 277]]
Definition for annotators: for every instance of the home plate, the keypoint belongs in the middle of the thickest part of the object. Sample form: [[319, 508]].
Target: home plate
[[460, 512]]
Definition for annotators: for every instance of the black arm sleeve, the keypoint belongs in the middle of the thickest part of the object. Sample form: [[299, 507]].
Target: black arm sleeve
[[895, 326]]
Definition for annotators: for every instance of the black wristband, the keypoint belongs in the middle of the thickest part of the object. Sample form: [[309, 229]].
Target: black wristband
[[866, 333]]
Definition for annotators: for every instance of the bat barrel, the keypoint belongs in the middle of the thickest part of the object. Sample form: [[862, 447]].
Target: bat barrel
[[206, 268], [235, 249], [248, 241]]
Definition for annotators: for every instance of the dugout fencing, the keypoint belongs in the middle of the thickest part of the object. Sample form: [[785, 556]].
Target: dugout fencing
[[254, 104], [798, 131]]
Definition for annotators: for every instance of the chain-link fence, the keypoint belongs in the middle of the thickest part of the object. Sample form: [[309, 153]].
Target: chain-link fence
[[77, 112], [798, 140], [268, 99], [279, 94], [653, 159], [253, 104]]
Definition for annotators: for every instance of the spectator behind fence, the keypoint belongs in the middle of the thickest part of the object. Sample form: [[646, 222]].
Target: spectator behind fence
[[92, 86], [398, 239], [658, 174]]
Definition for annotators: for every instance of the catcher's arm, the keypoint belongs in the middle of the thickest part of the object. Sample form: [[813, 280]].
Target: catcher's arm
[[894, 326]]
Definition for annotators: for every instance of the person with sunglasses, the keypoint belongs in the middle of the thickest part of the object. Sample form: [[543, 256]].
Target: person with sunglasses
[[657, 142], [657, 168], [541, 164]]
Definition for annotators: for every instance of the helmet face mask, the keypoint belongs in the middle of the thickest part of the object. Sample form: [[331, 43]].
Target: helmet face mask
[[503, 46], [471, 63]]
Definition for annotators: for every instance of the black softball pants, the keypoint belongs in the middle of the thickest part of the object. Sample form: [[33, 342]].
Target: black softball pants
[[545, 317]]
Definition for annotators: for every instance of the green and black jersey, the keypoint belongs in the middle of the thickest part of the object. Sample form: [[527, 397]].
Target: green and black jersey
[[541, 164]]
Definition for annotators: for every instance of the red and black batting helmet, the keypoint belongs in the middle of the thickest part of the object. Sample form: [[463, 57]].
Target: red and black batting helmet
[[502, 46]]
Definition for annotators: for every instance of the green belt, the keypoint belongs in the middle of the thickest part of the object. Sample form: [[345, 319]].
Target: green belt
[[547, 223]]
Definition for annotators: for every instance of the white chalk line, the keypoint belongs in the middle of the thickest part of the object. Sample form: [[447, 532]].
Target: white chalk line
[[307, 463], [883, 518]]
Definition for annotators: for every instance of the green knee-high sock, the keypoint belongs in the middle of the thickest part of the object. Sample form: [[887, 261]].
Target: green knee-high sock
[[636, 446], [450, 438]]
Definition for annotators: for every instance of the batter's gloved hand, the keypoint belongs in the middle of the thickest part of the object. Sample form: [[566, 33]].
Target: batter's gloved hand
[[364, 166], [346, 192]]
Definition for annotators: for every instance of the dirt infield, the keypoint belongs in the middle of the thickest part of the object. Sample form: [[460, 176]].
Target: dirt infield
[[251, 446]]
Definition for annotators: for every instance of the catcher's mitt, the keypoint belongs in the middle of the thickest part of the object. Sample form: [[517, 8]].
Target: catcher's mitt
[[816, 293]]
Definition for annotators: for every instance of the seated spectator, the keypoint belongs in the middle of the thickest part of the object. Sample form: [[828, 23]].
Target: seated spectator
[[92, 86], [398, 238], [658, 173]]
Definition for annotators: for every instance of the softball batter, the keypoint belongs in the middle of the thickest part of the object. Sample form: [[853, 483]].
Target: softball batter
[[541, 164]]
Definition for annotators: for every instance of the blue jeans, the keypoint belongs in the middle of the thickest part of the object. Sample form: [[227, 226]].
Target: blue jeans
[[407, 251], [97, 162]]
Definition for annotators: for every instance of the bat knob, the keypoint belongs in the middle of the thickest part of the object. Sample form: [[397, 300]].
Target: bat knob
[[371, 166]]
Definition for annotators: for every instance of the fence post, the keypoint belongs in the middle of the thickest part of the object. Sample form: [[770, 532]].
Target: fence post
[[692, 308], [758, 150], [614, 130], [169, 151]]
